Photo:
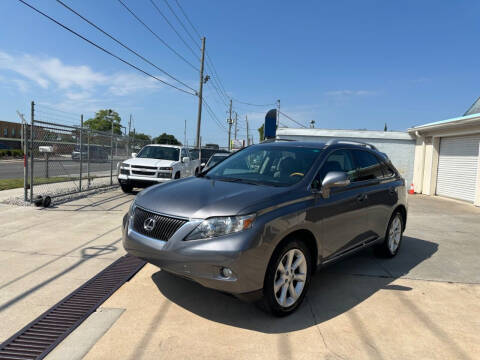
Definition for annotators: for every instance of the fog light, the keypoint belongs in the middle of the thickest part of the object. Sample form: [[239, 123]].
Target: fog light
[[226, 272]]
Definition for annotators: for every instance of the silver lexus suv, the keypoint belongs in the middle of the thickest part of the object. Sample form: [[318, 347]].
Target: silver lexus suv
[[258, 224]]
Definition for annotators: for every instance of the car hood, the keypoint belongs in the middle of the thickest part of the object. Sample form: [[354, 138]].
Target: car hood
[[149, 162], [201, 198]]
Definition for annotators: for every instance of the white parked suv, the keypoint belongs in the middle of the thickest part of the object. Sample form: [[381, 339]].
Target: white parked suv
[[156, 164]]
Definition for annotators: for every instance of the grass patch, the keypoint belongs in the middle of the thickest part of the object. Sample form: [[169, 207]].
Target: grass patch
[[7, 184]]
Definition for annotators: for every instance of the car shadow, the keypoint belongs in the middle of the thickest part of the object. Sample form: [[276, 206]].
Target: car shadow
[[333, 290]]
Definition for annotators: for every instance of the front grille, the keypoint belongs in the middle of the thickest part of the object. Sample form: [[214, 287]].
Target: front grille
[[144, 173], [164, 228], [143, 167]]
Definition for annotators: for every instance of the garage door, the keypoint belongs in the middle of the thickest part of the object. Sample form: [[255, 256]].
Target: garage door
[[457, 167]]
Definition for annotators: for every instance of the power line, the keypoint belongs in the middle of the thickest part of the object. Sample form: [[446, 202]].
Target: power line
[[156, 35], [103, 49], [250, 104], [175, 30], [123, 45], [295, 121], [186, 17], [181, 23], [214, 117]]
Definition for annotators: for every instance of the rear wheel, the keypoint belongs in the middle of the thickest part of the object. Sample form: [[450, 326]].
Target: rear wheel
[[287, 279], [393, 237], [126, 188]]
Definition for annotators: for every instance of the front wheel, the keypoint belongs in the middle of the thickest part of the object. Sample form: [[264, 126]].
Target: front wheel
[[126, 188], [393, 237], [287, 279]]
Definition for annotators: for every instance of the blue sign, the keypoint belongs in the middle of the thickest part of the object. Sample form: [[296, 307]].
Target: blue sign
[[270, 124]]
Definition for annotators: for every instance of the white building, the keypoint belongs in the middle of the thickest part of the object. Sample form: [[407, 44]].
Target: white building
[[447, 157], [398, 145]]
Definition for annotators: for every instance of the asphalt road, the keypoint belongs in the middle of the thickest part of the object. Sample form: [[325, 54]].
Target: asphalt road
[[11, 169]]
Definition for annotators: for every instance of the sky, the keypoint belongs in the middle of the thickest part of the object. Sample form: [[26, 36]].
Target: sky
[[345, 64]]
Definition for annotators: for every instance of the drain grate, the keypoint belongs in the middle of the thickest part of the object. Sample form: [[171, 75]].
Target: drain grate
[[39, 337]]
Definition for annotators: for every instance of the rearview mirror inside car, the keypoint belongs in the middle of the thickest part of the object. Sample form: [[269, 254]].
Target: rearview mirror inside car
[[333, 179]]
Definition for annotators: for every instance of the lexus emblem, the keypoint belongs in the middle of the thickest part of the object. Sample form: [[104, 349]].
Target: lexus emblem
[[149, 224]]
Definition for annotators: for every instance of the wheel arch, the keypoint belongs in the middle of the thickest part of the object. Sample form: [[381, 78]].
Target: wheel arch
[[403, 211], [307, 237]]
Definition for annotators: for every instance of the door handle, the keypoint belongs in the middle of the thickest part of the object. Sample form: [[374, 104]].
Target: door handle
[[361, 197], [391, 190]]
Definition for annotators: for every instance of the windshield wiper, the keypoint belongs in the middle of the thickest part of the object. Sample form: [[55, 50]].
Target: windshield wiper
[[244, 181]]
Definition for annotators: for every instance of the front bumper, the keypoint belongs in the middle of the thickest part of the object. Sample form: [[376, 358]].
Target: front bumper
[[132, 179], [203, 260]]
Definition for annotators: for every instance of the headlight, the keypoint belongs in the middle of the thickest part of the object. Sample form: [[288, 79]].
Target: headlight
[[124, 165], [165, 168], [133, 206], [218, 226]]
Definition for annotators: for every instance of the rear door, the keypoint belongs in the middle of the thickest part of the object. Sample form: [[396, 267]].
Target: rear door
[[379, 189], [341, 217], [185, 166]]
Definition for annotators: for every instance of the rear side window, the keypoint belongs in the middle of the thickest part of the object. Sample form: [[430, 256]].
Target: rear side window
[[367, 165], [388, 171]]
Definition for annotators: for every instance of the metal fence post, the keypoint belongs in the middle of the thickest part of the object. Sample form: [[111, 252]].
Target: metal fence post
[[25, 160], [111, 157], [81, 154], [32, 114], [88, 159]]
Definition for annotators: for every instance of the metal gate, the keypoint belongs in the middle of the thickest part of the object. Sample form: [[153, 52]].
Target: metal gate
[[457, 167], [65, 159]]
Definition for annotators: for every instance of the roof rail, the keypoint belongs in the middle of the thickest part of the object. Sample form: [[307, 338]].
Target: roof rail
[[339, 141]]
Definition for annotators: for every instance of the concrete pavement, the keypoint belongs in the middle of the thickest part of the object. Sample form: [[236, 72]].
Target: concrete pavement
[[424, 304], [47, 253]]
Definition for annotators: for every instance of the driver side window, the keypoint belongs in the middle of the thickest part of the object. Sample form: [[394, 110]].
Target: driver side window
[[339, 160]]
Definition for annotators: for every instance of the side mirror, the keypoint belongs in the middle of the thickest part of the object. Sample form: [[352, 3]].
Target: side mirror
[[333, 179], [202, 165], [186, 159], [134, 155]]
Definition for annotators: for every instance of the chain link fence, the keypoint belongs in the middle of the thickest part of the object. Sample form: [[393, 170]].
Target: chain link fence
[[63, 158]]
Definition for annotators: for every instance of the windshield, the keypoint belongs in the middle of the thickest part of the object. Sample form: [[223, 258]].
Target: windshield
[[215, 159], [266, 165], [159, 152]]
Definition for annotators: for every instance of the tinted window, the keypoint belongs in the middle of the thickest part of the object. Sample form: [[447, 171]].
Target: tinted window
[[367, 165], [339, 160], [184, 153]]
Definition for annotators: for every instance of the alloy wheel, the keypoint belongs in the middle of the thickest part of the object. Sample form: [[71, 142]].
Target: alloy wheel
[[290, 277], [395, 234]]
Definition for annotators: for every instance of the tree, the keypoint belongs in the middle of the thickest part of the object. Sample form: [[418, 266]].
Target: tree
[[103, 121], [261, 131], [141, 136], [385, 127], [166, 139]]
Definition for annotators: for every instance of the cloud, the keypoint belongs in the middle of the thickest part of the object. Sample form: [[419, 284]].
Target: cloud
[[76, 82], [351, 92]]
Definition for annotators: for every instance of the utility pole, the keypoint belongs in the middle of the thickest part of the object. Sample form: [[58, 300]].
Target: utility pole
[[278, 112], [236, 121], [129, 127], [185, 134], [200, 92], [229, 125], [248, 137]]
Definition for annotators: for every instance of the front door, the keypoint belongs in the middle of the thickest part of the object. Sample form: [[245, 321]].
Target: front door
[[342, 217]]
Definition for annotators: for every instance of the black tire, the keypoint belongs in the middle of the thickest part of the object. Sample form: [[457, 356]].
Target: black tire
[[384, 249], [126, 188], [269, 301], [177, 175]]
